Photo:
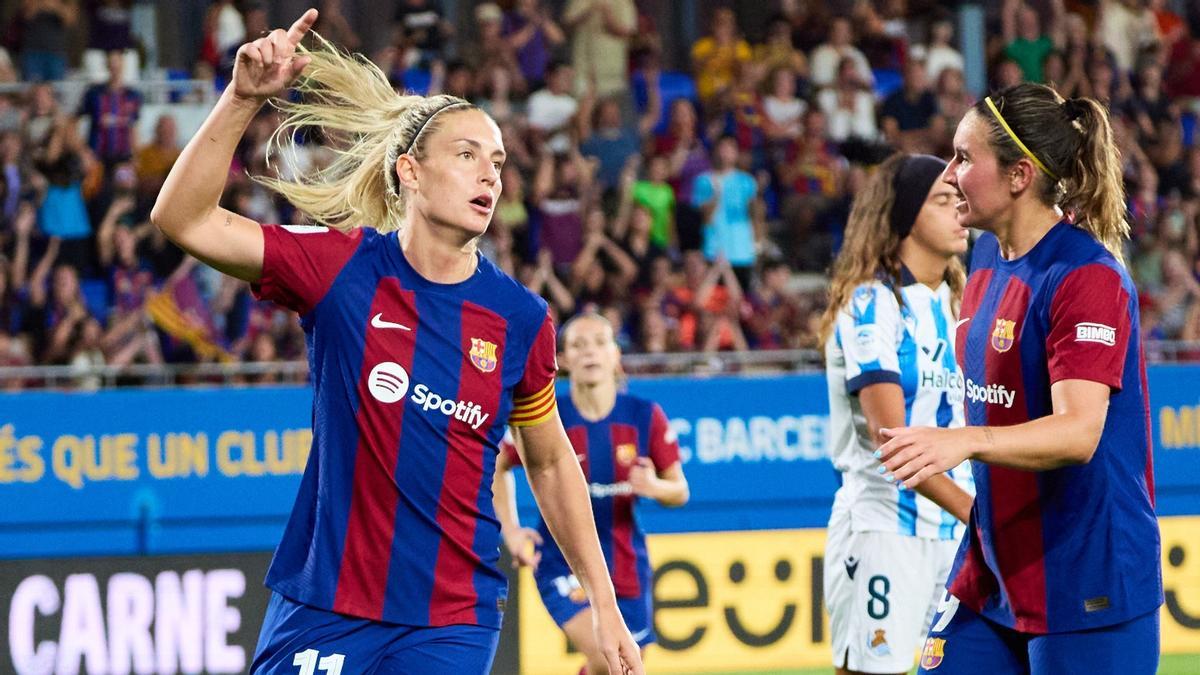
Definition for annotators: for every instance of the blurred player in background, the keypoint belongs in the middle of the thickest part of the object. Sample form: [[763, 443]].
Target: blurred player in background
[[1060, 571], [896, 287], [627, 450], [421, 352]]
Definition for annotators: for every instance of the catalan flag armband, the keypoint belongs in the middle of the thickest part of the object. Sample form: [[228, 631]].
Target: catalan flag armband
[[534, 409]]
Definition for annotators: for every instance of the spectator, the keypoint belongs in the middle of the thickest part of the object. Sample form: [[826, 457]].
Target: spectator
[[333, 26], [113, 110], [782, 109], [16, 183], [1007, 73], [688, 158], [66, 162], [1171, 27], [552, 109], [1125, 28], [154, 160], [777, 51], [1025, 43], [953, 102], [728, 201], [911, 122], [882, 39], [716, 57], [655, 197], [42, 26], [494, 94], [808, 21], [602, 271], [1149, 107], [611, 142], [490, 50], [130, 337], [848, 105], [827, 59], [562, 193], [601, 32], [533, 35], [775, 311], [939, 54], [423, 30], [110, 25], [705, 305], [541, 278], [224, 30]]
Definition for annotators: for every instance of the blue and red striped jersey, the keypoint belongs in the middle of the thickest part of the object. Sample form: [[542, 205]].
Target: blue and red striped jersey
[[607, 449], [413, 385], [1076, 547]]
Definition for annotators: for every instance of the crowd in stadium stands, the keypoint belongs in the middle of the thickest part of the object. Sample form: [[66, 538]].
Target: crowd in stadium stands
[[695, 205]]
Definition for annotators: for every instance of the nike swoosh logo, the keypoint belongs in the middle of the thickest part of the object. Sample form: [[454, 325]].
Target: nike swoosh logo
[[961, 322], [378, 322], [641, 634]]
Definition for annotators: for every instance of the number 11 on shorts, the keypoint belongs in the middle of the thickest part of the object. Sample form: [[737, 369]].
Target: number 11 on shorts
[[310, 660]]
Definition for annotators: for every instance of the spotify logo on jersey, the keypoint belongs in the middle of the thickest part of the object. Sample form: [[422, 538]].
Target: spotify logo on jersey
[[388, 382]]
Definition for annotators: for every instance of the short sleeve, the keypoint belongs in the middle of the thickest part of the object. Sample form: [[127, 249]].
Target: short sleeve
[[702, 190], [664, 446], [1089, 327], [868, 330], [300, 263], [533, 398]]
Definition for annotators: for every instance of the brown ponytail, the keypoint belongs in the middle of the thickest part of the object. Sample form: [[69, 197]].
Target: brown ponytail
[[1074, 140], [1096, 193]]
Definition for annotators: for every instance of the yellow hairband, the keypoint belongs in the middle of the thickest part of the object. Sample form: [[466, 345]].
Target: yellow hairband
[[1012, 134]]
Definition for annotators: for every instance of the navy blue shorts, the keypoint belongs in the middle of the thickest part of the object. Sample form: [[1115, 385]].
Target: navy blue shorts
[[965, 643], [297, 639], [564, 598]]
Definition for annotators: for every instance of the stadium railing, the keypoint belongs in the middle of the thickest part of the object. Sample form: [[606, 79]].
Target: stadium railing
[[292, 372]]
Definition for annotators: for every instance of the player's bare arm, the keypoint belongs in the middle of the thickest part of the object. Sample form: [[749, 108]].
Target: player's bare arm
[[1067, 437], [883, 406]]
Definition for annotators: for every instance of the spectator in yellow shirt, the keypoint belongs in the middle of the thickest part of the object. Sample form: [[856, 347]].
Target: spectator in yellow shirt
[[715, 58]]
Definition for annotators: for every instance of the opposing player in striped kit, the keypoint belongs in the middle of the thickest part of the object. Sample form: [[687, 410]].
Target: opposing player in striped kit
[[889, 356], [627, 450], [421, 352]]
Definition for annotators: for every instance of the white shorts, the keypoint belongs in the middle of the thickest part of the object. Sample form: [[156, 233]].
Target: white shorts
[[881, 590]]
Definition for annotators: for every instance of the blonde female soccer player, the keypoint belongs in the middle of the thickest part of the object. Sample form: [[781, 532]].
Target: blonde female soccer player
[[627, 450], [421, 352], [889, 358]]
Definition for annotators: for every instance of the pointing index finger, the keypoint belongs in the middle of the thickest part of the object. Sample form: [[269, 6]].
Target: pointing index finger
[[299, 29]]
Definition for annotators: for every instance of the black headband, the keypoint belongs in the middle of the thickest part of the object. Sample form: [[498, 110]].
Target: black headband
[[911, 184]]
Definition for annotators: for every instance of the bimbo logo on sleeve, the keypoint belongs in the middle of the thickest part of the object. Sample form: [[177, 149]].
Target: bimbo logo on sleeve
[[1095, 332]]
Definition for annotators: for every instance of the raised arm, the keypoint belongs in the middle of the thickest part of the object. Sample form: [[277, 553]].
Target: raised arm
[[186, 210], [562, 495]]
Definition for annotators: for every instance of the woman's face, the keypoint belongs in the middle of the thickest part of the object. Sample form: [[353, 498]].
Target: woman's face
[[936, 228], [457, 183], [783, 85], [983, 189], [590, 351]]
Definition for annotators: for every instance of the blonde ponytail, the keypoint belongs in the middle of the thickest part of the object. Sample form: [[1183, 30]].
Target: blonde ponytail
[[350, 100]]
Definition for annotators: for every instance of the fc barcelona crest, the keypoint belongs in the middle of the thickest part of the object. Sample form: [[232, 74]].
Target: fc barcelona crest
[[1003, 335], [483, 355], [933, 653], [626, 453]]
